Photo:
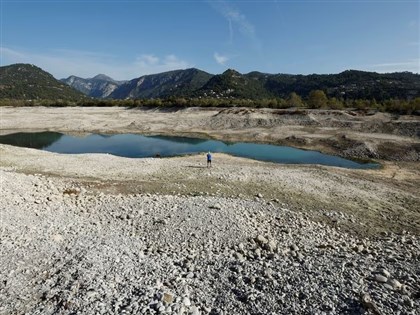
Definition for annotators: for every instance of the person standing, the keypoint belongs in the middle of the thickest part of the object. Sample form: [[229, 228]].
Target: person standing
[[209, 159]]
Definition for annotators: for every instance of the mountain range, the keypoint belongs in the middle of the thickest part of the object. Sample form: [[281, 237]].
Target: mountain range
[[193, 82], [100, 86], [23, 81]]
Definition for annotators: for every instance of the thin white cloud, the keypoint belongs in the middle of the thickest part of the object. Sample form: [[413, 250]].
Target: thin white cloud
[[412, 65], [240, 20], [147, 60], [220, 59], [237, 20], [63, 63]]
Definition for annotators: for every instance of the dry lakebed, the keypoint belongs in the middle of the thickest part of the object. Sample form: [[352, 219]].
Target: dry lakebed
[[101, 234]]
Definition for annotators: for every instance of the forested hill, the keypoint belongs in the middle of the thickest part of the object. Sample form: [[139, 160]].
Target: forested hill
[[180, 83], [28, 82], [349, 84]]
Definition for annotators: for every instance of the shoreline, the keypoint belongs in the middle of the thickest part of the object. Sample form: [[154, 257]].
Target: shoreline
[[381, 136]]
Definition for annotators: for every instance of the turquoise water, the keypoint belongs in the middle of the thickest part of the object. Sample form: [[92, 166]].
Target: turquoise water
[[138, 146]]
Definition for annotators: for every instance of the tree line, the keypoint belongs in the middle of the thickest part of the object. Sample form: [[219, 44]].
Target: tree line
[[317, 99]]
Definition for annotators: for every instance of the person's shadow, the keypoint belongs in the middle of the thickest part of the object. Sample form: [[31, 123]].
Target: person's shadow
[[195, 166]]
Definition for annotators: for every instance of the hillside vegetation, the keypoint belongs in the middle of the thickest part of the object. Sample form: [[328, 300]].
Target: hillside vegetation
[[394, 92], [28, 82], [172, 83]]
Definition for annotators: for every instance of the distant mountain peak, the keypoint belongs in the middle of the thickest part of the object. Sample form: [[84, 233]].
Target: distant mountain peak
[[103, 77], [232, 72], [100, 86]]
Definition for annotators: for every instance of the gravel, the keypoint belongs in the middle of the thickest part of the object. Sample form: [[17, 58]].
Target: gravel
[[69, 249]]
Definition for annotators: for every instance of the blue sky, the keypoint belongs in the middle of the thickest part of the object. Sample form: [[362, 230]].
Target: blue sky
[[127, 39]]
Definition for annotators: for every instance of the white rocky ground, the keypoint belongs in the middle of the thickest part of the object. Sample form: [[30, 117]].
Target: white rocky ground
[[68, 248]]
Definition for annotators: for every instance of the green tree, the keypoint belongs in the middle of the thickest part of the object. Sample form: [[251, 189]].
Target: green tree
[[335, 103], [294, 100], [317, 99]]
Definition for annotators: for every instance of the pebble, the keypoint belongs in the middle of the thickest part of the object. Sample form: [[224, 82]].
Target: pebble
[[395, 284], [167, 298], [384, 272], [194, 310], [380, 278], [261, 240], [186, 301]]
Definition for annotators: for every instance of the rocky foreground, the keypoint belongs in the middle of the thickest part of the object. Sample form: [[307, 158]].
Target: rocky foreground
[[67, 249]]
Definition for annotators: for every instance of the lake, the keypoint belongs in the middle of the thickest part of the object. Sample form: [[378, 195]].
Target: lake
[[138, 146]]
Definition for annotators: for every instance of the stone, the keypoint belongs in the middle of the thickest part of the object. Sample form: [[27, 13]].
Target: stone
[[272, 245], [380, 278], [239, 257], [194, 311], [384, 272], [395, 284], [261, 240], [167, 298], [186, 301], [368, 303]]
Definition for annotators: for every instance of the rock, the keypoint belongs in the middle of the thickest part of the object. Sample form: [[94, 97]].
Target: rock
[[380, 278], [167, 298], [58, 238], [194, 311], [359, 248], [261, 240], [272, 245], [369, 304], [395, 284], [239, 257], [384, 272], [259, 195], [294, 248], [186, 301], [216, 206], [300, 256]]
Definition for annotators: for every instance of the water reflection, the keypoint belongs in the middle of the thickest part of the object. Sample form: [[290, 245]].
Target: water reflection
[[137, 146], [39, 140]]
